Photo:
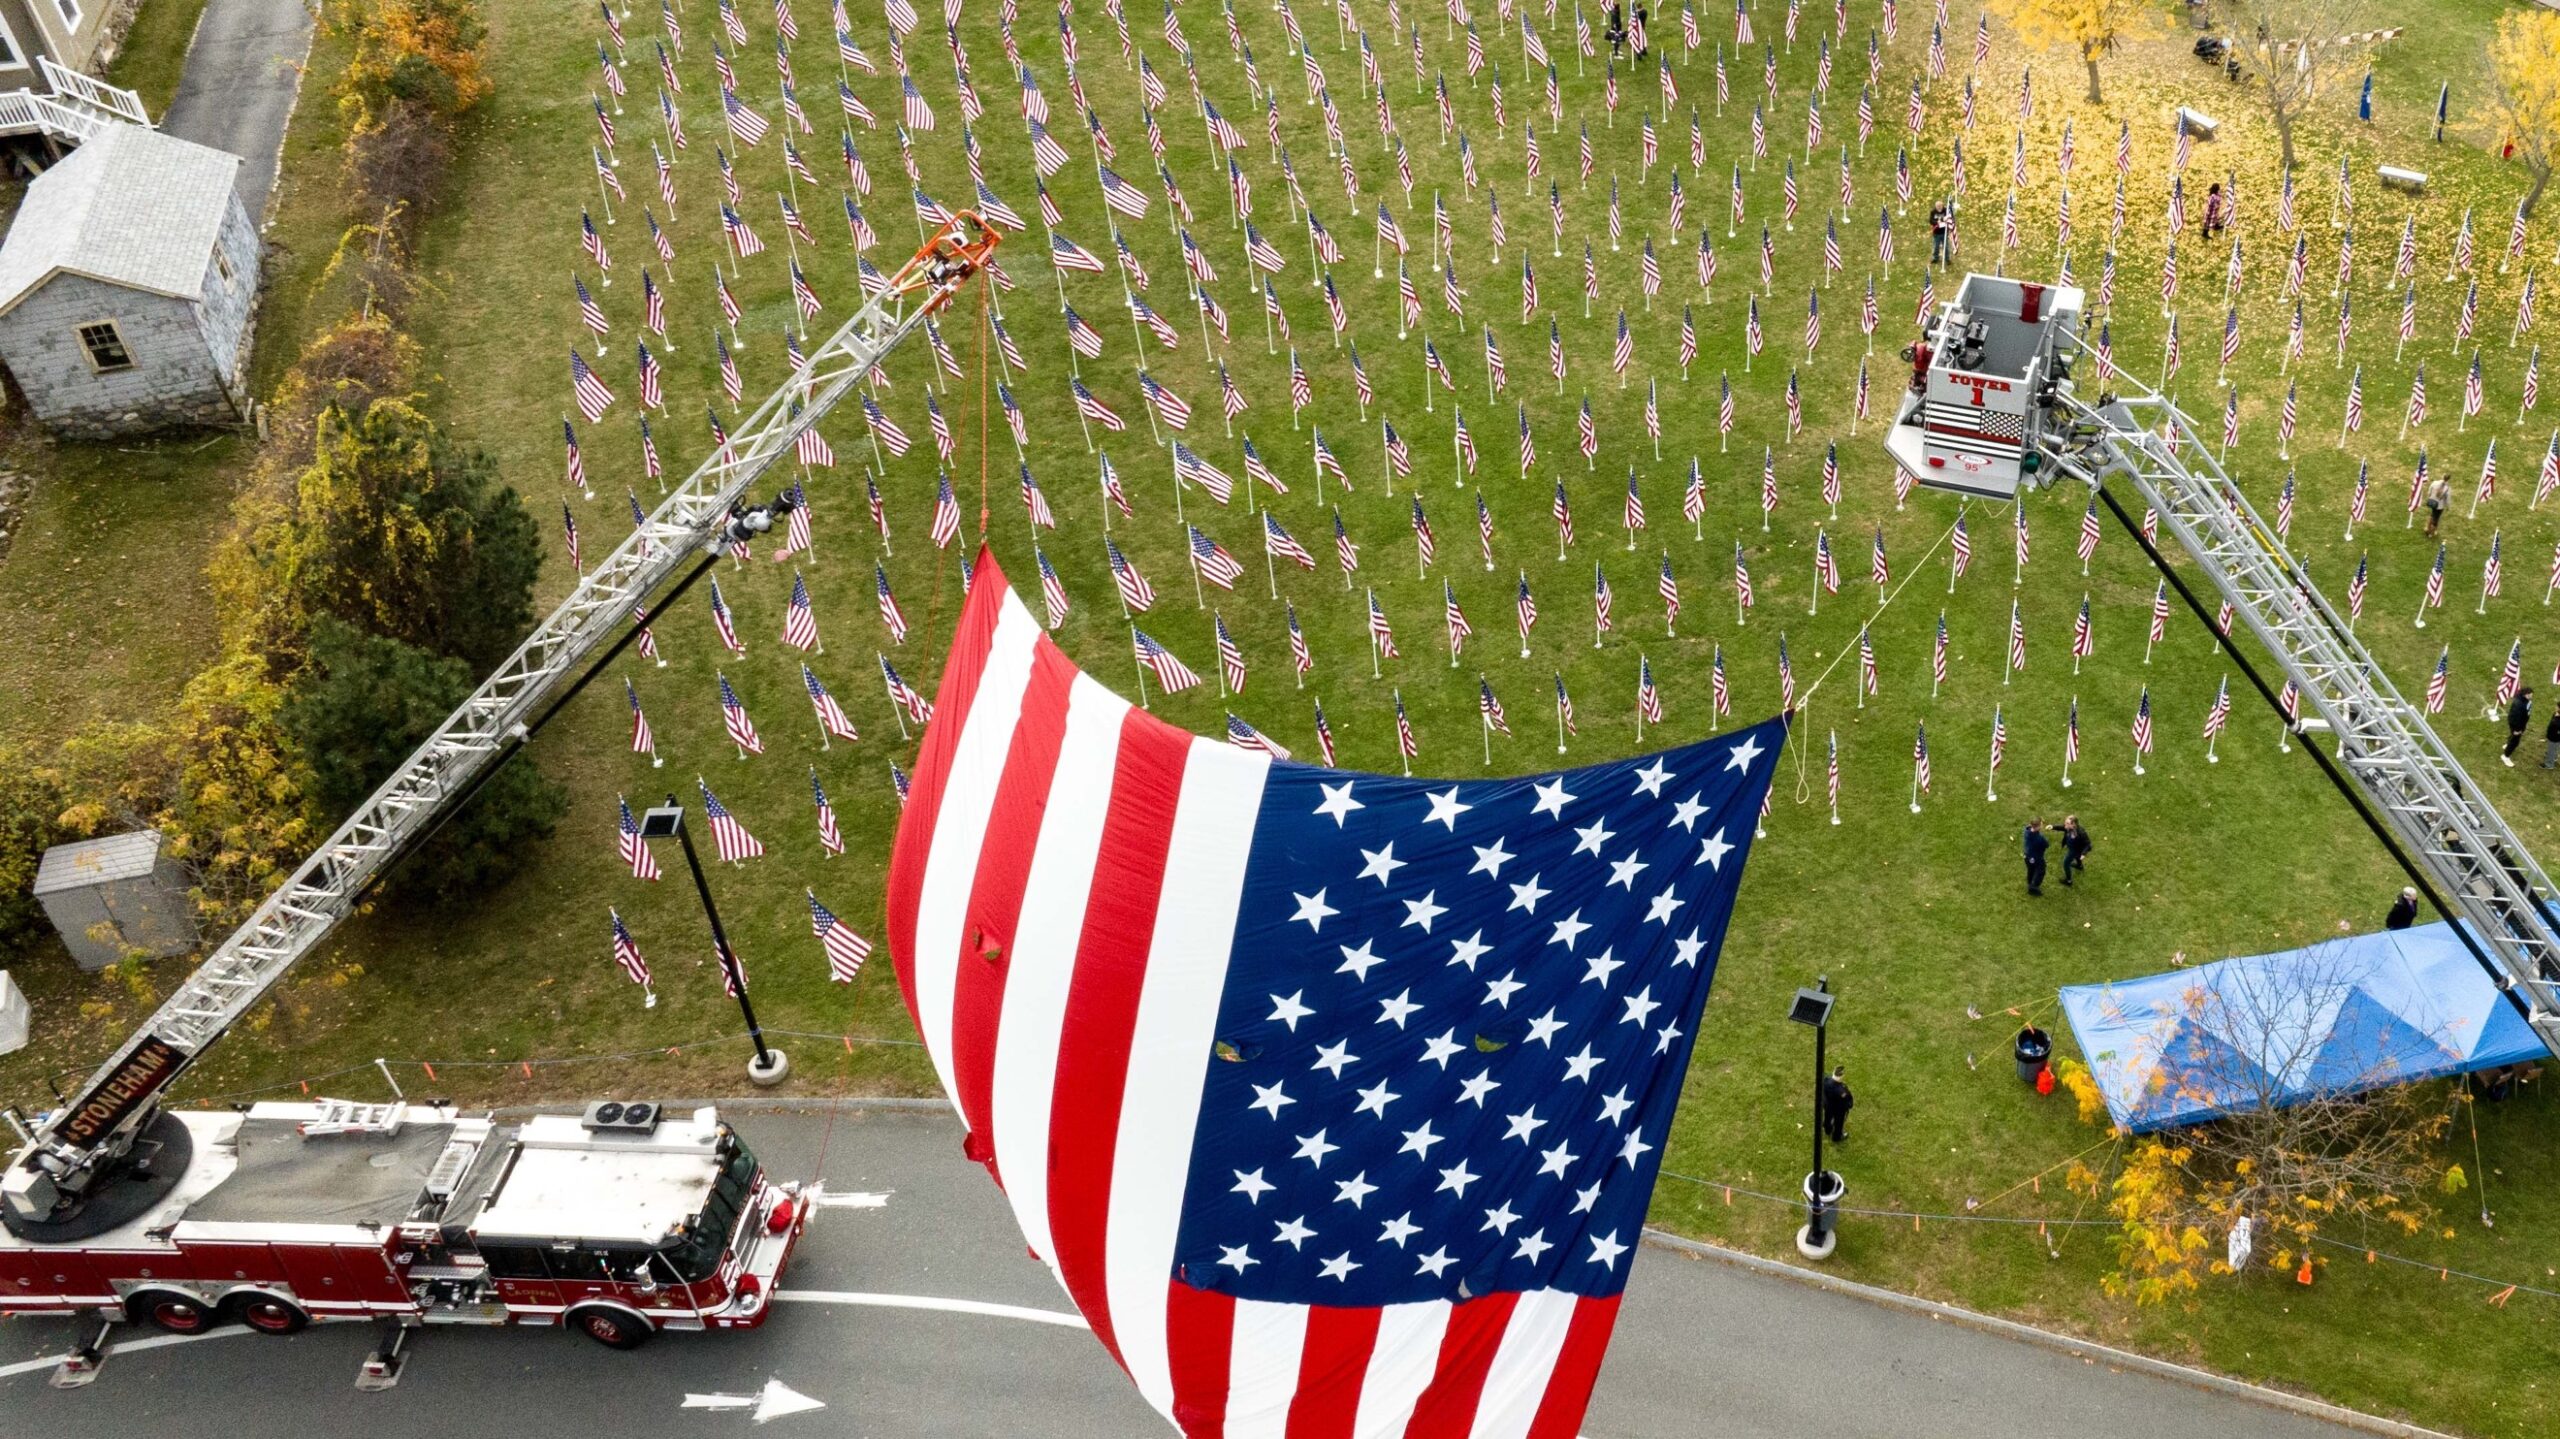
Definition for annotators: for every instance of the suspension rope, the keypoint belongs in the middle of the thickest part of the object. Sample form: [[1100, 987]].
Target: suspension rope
[[1804, 763]]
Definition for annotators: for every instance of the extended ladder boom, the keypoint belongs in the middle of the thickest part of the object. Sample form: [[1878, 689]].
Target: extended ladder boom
[[2444, 823], [78, 1144]]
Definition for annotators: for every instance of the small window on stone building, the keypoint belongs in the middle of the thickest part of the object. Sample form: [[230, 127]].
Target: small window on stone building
[[222, 267], [105, 344], [70, 10]]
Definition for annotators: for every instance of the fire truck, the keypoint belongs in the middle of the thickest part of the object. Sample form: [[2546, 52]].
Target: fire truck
[[2007, 396], [619, 1222], [616, 1223]]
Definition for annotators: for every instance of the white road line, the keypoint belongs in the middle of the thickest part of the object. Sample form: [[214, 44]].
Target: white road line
[[794, 1296], [927, 1301], [150, 1341]]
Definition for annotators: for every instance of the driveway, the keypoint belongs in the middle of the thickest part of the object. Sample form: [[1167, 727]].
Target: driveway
[[243, 70]]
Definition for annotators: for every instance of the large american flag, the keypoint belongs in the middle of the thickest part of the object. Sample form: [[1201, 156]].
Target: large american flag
[[1199, 1017]]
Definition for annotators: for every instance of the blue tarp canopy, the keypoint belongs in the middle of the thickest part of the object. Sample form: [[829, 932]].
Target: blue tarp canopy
[[2337, 1017]]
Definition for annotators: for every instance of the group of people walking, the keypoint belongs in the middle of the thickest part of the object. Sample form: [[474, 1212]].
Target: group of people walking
[[1615, 29]]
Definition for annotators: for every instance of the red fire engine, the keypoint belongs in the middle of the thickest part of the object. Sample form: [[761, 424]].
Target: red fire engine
[[616, 1223]]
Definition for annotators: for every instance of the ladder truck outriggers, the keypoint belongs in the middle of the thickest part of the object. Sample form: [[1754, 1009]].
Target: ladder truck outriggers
[[616, 1223], [2006, 395]]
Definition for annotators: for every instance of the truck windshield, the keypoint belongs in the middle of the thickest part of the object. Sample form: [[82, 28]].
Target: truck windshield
[[696, 1255]]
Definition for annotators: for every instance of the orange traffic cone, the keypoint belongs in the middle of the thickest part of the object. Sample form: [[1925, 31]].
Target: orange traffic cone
[[2303, 1275]]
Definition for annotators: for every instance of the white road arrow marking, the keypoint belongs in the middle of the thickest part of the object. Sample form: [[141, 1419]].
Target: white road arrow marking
[[776, 1400]]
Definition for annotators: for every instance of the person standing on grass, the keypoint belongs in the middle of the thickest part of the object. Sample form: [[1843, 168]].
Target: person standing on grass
[[2519, 715], [1643, 41], [2439, 495], [2075, 848], [2404, 910], [2036, 845], [2215, 216], [1613, 28], [1837, 1101], [1938, 233], [2551, 741]]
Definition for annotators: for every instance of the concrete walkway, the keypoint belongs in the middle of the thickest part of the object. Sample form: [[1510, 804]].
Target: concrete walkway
[[244, 68]]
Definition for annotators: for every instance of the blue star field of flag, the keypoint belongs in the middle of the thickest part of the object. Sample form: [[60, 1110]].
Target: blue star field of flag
[[1455, 1023]]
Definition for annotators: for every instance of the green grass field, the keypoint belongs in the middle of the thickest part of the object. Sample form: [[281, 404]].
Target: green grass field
[[1914, 917]]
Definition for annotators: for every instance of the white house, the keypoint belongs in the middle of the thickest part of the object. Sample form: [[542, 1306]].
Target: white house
[[127, 287]]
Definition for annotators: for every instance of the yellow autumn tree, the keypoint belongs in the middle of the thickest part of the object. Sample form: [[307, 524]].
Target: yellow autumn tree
[[425, 52], [2525, 54], [2087, 28]]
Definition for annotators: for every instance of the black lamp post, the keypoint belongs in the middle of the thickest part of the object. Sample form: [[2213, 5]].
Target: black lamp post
[[667, 821], [1822, 1188]]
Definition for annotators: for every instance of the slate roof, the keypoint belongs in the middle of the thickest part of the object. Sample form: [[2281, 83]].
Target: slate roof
[[130, 207]]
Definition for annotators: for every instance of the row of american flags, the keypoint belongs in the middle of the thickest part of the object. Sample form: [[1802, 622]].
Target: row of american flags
[[1209, 559]]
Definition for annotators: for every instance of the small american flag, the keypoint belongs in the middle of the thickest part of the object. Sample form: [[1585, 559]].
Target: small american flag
[[2441, 681], [2216, 717], [1231, 666], [1456, 619], [745, 125], [635, 850], [1278, 541], [890, 614], [1212, 561], [729, 838], [1380, 633], [799, 624], [903, 695], [626, 953], [844, 949], [2017, 639], [742, 731], [1053, 595], [1170, 673], [590, 392], [833, 720]]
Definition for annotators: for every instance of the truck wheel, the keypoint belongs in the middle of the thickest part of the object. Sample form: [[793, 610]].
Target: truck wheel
[[170, 1310], [612, 1328], [269, 1313]]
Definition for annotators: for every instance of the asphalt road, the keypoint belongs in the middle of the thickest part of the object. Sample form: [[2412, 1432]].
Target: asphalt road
[[1702, 1348], [244, 67]]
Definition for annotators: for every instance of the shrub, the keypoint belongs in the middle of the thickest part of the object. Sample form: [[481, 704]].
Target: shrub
[[393, 529], [425, 52], [31, 805], [363, 704]]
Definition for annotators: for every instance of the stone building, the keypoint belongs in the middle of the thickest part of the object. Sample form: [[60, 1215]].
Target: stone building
[[127, 287]]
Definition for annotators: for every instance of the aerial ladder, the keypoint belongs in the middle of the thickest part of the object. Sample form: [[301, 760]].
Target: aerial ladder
[[79, 1150], [1995, 408]]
